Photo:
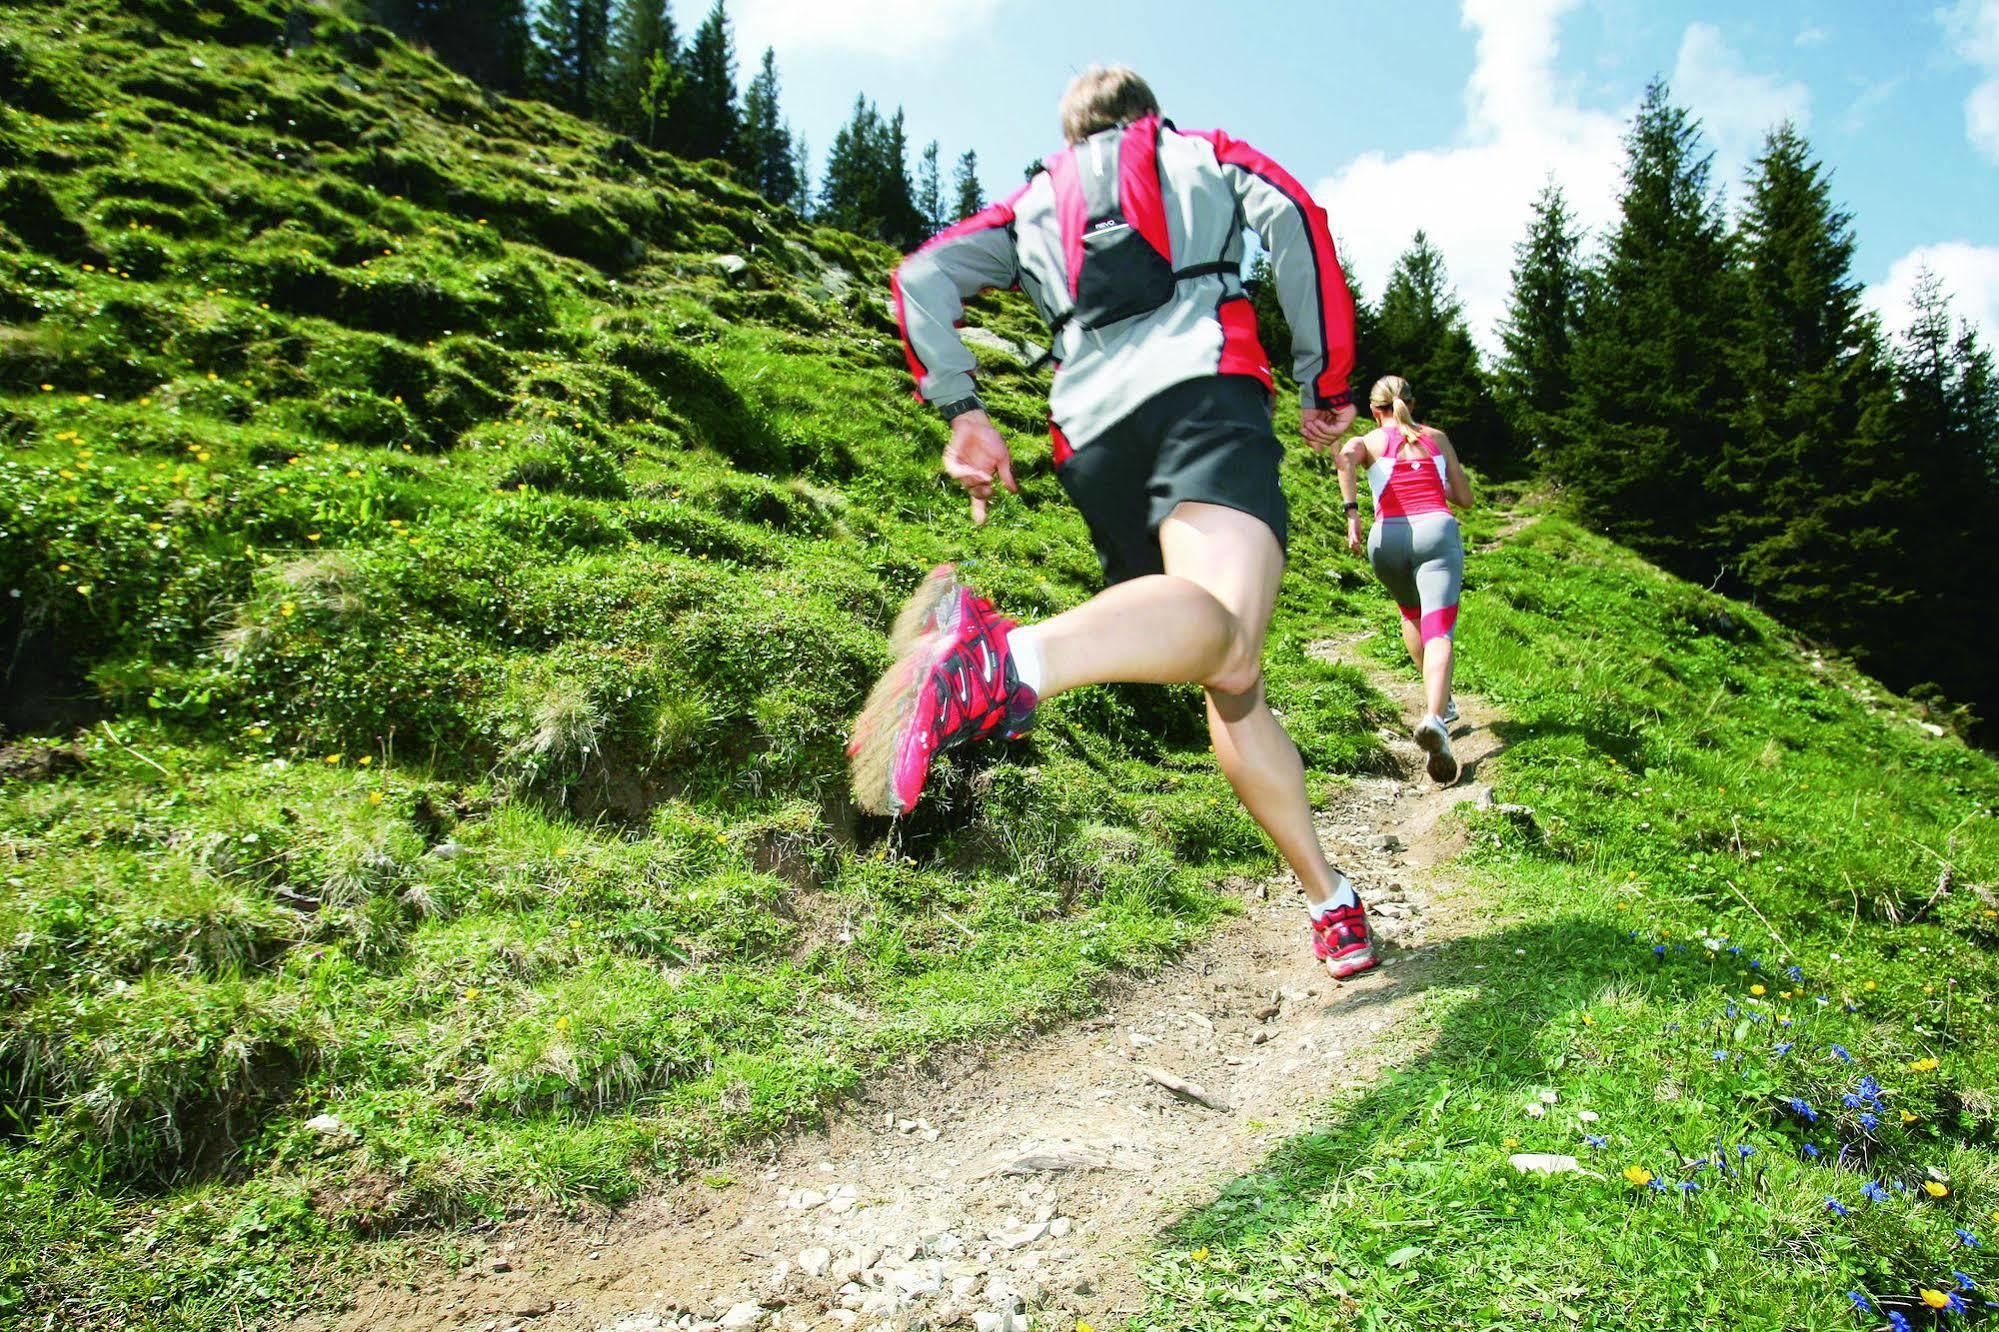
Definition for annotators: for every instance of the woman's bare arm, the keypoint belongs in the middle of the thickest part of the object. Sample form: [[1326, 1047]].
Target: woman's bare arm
[[1457, 486]]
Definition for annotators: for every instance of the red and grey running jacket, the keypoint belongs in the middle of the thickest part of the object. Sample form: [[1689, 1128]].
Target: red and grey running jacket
[[1188, 196]]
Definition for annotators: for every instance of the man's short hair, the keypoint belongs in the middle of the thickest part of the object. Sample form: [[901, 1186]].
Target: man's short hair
[[1104, 96]]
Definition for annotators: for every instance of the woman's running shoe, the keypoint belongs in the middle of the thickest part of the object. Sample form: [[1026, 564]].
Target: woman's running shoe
[[955, 683], [1434, 740], [1342, 941], [1450, 717]]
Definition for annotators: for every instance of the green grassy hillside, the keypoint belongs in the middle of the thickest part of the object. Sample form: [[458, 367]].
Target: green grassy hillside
[[442, 545]]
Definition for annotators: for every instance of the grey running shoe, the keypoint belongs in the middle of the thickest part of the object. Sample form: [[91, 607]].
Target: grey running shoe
[[1450, 717], [1434, 740]]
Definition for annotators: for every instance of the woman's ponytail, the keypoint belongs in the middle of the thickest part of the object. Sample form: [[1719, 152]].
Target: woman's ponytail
[[1392, 394]]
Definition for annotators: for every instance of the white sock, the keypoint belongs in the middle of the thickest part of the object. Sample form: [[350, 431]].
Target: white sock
[[1026, 658], [1343, 896]]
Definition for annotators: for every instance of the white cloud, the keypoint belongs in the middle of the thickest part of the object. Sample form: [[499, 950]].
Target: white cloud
[[1474, 197], [1737, 106], [1812, 35], [1970, 277], [1974, 31], [898, 29], [1524, 123]]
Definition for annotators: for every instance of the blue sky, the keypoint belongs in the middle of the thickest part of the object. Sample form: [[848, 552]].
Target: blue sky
[[1449, 114]]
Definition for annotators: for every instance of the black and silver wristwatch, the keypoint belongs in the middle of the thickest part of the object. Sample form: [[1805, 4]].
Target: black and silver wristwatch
[[951, 411]]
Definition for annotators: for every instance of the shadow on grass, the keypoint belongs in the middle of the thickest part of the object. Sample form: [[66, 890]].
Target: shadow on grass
[[1525, 977]]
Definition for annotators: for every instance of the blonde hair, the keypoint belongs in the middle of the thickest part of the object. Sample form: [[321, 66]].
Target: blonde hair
[[1103, 96], [1392, 394]]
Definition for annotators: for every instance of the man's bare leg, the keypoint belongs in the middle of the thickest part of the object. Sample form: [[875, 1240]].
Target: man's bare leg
[[1202, 622]]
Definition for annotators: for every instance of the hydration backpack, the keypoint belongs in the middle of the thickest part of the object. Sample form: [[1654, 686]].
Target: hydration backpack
[[1116, 249]]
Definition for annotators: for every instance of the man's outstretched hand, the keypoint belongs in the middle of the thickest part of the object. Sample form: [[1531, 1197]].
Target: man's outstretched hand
[[1323, 426], [976, 457]]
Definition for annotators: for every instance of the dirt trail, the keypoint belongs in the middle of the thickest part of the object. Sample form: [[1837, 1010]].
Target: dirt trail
[[1021, 1187]]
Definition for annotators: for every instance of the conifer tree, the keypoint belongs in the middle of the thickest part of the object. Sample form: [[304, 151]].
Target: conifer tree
[[705, 121], [1533, 380], [803, 199], [1946, 421], [848, 189], [1421, 334], [1652, 365], [645, 74], [930, 192], [765, 140], [572, 40], [902, 224], [1804, 490], [965, 185]]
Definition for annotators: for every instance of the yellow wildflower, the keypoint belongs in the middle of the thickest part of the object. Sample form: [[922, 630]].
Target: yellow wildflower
[[1936, 1299], [1200, 1255], [1639, 1176], [1909, 1118], [562, 1024], [1936, 1190], [1925, 1065], [1509, 1143], [332, 759], [374, 797], [1870, 986], [1758, 990]]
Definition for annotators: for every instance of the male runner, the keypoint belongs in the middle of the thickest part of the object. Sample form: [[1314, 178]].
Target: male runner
[[1130, 243]]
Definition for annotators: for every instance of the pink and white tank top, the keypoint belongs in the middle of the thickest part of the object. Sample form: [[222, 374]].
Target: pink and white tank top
[[1406, 487]]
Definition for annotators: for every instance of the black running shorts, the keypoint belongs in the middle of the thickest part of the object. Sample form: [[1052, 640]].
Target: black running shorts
[[1205, 441]]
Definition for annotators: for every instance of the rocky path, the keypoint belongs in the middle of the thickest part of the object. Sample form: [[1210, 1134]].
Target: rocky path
[[1021, 1188]]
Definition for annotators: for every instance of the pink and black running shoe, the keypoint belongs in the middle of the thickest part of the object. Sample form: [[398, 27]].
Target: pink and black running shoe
[[955, 683], [1343, 941]]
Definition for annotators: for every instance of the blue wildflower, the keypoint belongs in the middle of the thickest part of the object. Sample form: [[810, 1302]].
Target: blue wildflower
[[1870, 1121], [1735, 950], [1745, 1151], [1658, 950], [1733, 1012], [1656, 1185], [1964, 1282], [1861, 1304], [1795, 973], [1852, 1100], [1811, 1153], [1898, 1321], [1874, 1192], [1672, 1027], [1596, 1140], [1720, 1055], [1835, 1206], [1870, 1088], [1954, 1303], [1799, 1105], [1782, 1047], [1754, 965], [1839, 1052], [1688, 1186], [1970, 1240], [1783, 1022]]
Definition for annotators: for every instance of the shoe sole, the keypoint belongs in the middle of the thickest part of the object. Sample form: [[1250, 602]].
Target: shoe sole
[[919, 615], [1353, 964], [1442, 765], [871, 753]]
